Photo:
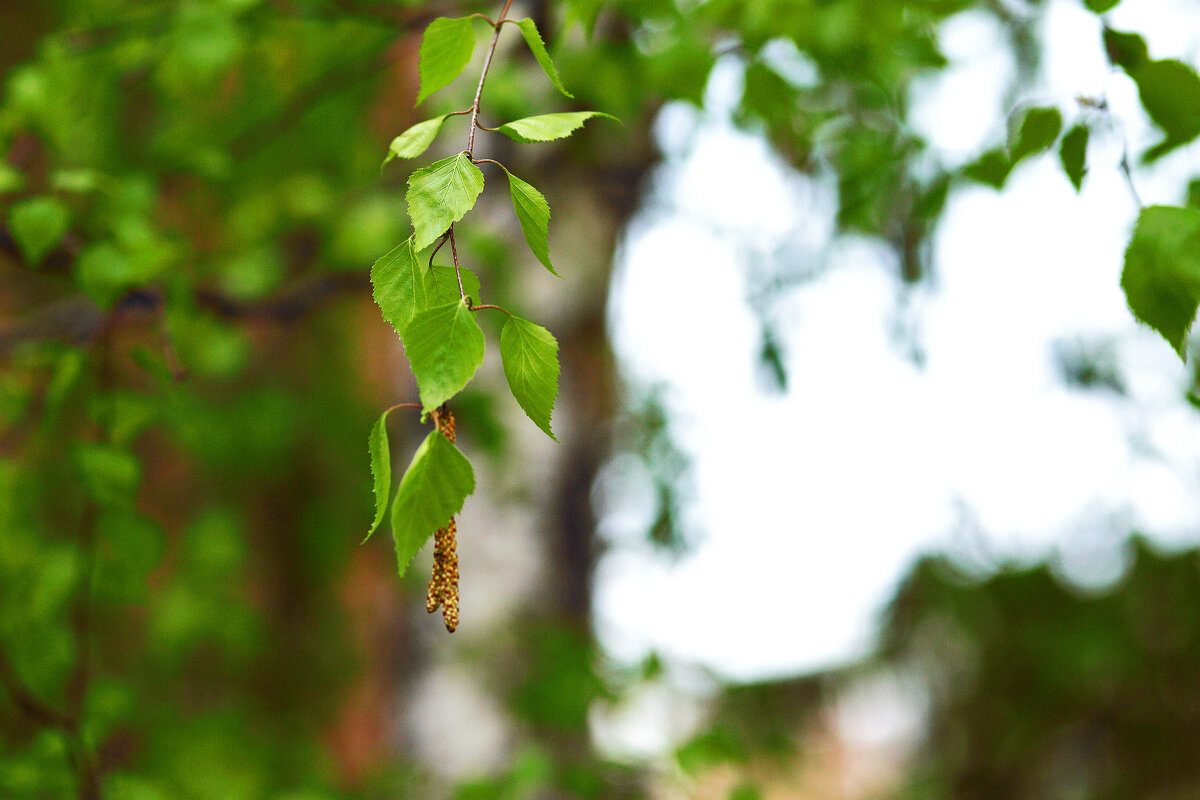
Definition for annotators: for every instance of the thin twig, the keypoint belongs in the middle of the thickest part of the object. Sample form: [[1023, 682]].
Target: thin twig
[[487, 63], [488, 161], [457, 269]]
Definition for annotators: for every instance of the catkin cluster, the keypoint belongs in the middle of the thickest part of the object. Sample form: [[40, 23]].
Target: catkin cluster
[[443, 584]]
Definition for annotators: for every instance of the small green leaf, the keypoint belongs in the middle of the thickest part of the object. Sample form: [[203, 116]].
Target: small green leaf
[[37, 226], [440, 195], [446, 49], [432, 491], [530, 356], [441, 285], [536, 46], [1125, 50], [1073, 154], [533, 212], [445, 347], [1170, 93], [1039, 129], [991, 168], [381, 469], [1161, 278], [399, 286], [548, 127], [1100, 6], [415, 140]]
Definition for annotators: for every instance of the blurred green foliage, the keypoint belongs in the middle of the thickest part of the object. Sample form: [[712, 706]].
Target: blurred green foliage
[[190, 199]]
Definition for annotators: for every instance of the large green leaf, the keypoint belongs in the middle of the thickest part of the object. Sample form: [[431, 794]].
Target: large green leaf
[[415, 140], [536, 46], [432, 491], [1038, 130], [445, 347], [446, 49], [440, 195], [530, 356], [1161, 278], [548, 127], [533, 212], [1073, 154], [1170, 93], [381, 469], [441, 285], [37, 226], [399, 286]]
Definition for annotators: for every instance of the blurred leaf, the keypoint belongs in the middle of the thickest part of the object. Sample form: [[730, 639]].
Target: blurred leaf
[[432, 490], [128, 547], [446, 49], [1125, 50], [1073, 154], [110, 474], [1161, 278], [1100, 6], [38, 224], [445, 347], [1170, 93], [1038, 130], [548, 127], [533, 212], [991, 168], [416, 140], [530, 355], [533, 38], [440, 195], [399, 286]]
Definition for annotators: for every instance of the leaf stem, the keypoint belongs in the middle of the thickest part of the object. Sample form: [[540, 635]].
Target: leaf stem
[[489, 161], [442, 241], [487, 63], [402, 405], [457, 270], [489, 305]]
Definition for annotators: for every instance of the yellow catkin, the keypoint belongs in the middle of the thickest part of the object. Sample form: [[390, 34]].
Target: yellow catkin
[[443, 583]]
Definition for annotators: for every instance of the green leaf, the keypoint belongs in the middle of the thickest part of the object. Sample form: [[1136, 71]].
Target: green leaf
[[431, 492], [533, 212], [441, 285], [415, 140], [530, 356], [991, 168], [1126, 50], [1073, 154], [446, 49], [1170, 93], [440, 195], [399, 286], [1161, 278], [1039, 129], [38, 224], [1100, 6], [381, 469], [536, 46], [445, 347], [548, 127]]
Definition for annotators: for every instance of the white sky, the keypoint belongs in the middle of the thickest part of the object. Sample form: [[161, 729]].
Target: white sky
[[811, 505]]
